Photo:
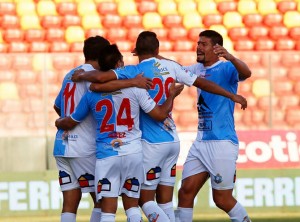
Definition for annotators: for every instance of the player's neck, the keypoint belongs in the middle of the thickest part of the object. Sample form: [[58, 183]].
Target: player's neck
[[144, 57]]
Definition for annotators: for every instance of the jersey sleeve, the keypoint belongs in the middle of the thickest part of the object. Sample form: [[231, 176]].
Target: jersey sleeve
[[191, 68], [145, 101], [82, 110], [184, 76], [234, 75], [127, 72]]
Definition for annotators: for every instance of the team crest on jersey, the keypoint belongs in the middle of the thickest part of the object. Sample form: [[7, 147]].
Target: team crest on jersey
[[153, 173], [103, 185], [153, 217], [86, 180], [132, 184], [64, 178], [218, 178], [173, 171]]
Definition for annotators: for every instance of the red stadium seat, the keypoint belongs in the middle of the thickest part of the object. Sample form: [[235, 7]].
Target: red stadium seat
[[294, 33], [63, 62], [284, 6], [285, 44], [258, 32], [132, 21], [13, 35], [282, 86], [71, 20], [165, 45], [294, 73], [59, 46], [177, 33], [226, 6], [259, 72], [297, 45], [184, 45], [251, 20], [10, 21], [252, 59], [279, 72], [51, 21], [288, 100], [105, 8], [238, 33], [146, 6], [124, 45], [273, 19], [76, 47], [94, 32], [133, 33], [111, 20], [266, 102], [161, 33], [193, 33], [170, 21], [22, 63], [7, 8], [39, 47], [55, 34], [212, 19], [278, 32], [33, 35], [16, 47], [292, 116], [5, 63], [243, 45], [67, 8], [26, 77], [114, 34]]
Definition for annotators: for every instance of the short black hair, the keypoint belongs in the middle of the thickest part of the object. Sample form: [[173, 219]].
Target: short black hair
[[109, 57], [215, 37], [146, 43], [93, 47]]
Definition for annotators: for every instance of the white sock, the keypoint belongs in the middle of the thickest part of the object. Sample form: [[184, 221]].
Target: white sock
[[67, 217], [96, 215], [154, 213], [168, 209], [238, 214], [107, 217], [184, 214], [134, 214]]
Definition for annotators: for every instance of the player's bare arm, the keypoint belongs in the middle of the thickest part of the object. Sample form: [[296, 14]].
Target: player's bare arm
[[93, 76], [242, 68], [139, 81], [66, 123], [57, 110], [161, 112], [214, 88]]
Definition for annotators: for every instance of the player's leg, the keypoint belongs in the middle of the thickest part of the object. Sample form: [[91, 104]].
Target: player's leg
[[96, 213], [109, 209], [131, 208], [164, 198]]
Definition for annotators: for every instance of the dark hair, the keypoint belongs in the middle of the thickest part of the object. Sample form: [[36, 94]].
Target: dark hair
[[109, 57], [146, 43], [93, 46], [214, 36]]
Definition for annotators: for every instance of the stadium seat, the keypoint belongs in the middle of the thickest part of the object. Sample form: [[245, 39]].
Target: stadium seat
[[266, 102], [258, 72], [92, 21], [220, 29], [76, 47], [273, 19], [165, 45], [232, 19], [8, 90], [258, 32], [267, 7], [59, 46], [253, 116], [294, 73], [11, 106], [291, 19], [94, 32], [26, 76], [193, 33], [30, 22], [132, 21], [115, 34], [170, 21], [261, 87], [147, 6], [192, 20], [187, 121], [152, 20], [252, 59], [74, 34], [177, 33], [187, 59], [226, 6], [21, 63], [285, 44], [86, 8], [251, 20], [5, 64], [111, 20], [13, 35], [127, 8], [284, 6], [278, 32], [207, 7], [167, 8], [3, 47], [185, 7], [212, 19], [46, 8], [297, 47], [292, 116], [38, 47], [32, 35], [282, 86], [289, 100], [294, 33], [70, 20], [67, 8], [246, 7], [55, 34], [184, 45], [124, 45], [279, 72], [133, 33], [62, 62], [25, 8], [9, 21], [238, 33], [161, 33], [7, 8], [105, 8], [51, 21]]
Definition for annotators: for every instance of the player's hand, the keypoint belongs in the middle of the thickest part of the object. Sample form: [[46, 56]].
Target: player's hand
[[77, 74], [142, 82], [222, 52], [175, 89], [241, 100]]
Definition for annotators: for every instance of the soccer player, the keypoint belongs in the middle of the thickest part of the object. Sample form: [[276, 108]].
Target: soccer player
[[75, 152], [160, 139], [215, 151], [119, 168]]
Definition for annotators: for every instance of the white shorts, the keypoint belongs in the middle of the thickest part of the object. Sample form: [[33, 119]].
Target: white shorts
[[75, 172], [159, 162], [118, 175], [218, 158]]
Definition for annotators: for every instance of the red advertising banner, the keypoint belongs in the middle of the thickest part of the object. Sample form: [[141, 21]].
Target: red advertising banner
[[269, 149]]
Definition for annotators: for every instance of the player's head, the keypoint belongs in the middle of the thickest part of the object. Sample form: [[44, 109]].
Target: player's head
[[93, 46], [147, 44], [110, 58], [205, 51]]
